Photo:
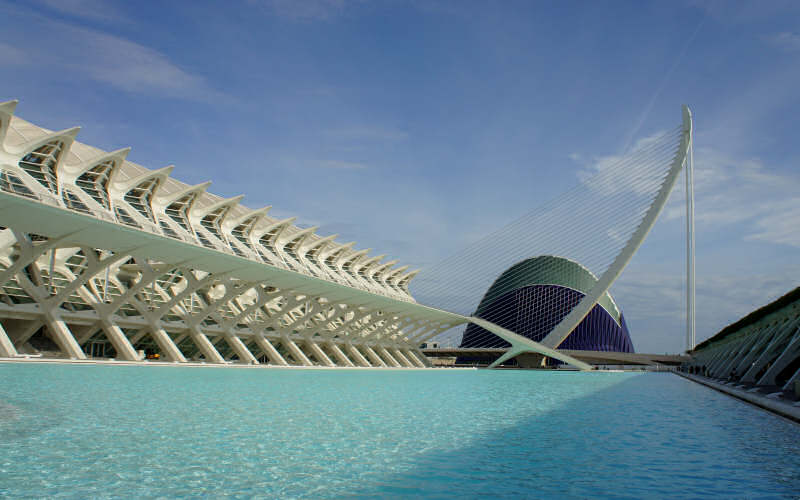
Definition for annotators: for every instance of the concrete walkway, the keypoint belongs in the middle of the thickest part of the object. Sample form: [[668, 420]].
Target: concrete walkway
[[110, 362], [782, 407]]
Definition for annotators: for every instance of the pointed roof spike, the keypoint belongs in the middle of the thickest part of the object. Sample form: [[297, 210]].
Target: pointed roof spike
[[77, 170], [9, 106], [125, 186], [269, 227], [321, 241], [259, 213], [166, 199], [227, 202]]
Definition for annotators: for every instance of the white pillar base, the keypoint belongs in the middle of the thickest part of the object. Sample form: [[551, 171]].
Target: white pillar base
[[7, 349], [272, 353]]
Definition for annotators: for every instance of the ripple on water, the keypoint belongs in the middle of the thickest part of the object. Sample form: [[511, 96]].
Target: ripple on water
[[88, 431]]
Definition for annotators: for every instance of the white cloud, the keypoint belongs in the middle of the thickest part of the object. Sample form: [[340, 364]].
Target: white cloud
[[96, 10], [654, 303], [611, 175], [744, 196], [12, 55], [80, 54]]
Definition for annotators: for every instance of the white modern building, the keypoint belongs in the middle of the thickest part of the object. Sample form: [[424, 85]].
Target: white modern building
[[101, 257]]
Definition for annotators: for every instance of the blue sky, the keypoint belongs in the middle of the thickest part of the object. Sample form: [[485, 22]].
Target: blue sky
[[416, 127]]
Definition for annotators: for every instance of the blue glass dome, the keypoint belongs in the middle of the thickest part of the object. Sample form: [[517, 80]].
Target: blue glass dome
[[533, 296]]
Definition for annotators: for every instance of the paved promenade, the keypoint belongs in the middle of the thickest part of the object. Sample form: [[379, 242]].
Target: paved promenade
[[780, 406]]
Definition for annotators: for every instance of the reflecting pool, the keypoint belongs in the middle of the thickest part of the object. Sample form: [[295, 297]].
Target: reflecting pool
[[94, 431]]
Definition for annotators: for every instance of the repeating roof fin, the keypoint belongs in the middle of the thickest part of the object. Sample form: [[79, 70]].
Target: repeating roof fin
[[6, 112]]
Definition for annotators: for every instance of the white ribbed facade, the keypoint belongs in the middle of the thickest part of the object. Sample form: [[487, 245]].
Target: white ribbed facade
[[100, 255]]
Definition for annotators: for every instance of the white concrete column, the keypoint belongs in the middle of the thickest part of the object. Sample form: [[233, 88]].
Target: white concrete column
[[240, 349], [7, 349], [767, 354], [118, 339], [373, 356], [398, 355], [166, 345], [411, 355], [21, 331], [788, 355], [62, 336], [356, 354], [206, 347], [388, 357], [341, 358], [297, 353], [319, 354], [750, 352], [269, 350]]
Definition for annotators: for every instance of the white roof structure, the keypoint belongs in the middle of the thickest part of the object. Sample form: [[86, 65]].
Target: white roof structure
[[194, 215]]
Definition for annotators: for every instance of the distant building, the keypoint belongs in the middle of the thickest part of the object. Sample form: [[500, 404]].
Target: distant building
[[533, 296], [760, 349]]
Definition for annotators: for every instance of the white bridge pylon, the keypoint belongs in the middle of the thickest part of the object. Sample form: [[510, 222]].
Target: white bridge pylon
[[584, 307]]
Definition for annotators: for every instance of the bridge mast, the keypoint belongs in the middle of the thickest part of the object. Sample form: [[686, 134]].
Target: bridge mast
[[690, 323]]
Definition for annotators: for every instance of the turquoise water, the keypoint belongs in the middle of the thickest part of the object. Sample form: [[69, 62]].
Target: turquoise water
[[99, 431]]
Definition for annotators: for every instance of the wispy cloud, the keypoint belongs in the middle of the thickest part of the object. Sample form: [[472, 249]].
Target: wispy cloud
[[744, 197], [87, 54], [658, 300], [11, 55], [786, 40], [96, 10], [610, 174]]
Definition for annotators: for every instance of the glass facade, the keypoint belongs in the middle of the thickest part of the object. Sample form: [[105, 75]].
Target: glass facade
[[535, 295]]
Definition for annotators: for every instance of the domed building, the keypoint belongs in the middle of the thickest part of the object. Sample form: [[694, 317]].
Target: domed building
[[533, 296]]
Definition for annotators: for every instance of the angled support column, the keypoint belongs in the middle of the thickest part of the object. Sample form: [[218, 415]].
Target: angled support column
[[319, 353], [118, 339], [732, 357], [767, 354], [520, 344], [167, 346], [206, 347], [62, 335], [792, 380], [21, 331], [376, 360], [398, 355], [788, 355], [417, 360], [269, 350], [240, 349], [84, 333], [388, 357], [341, 358], [297, 353], [7, 349], [749, 352], [356, 354]]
